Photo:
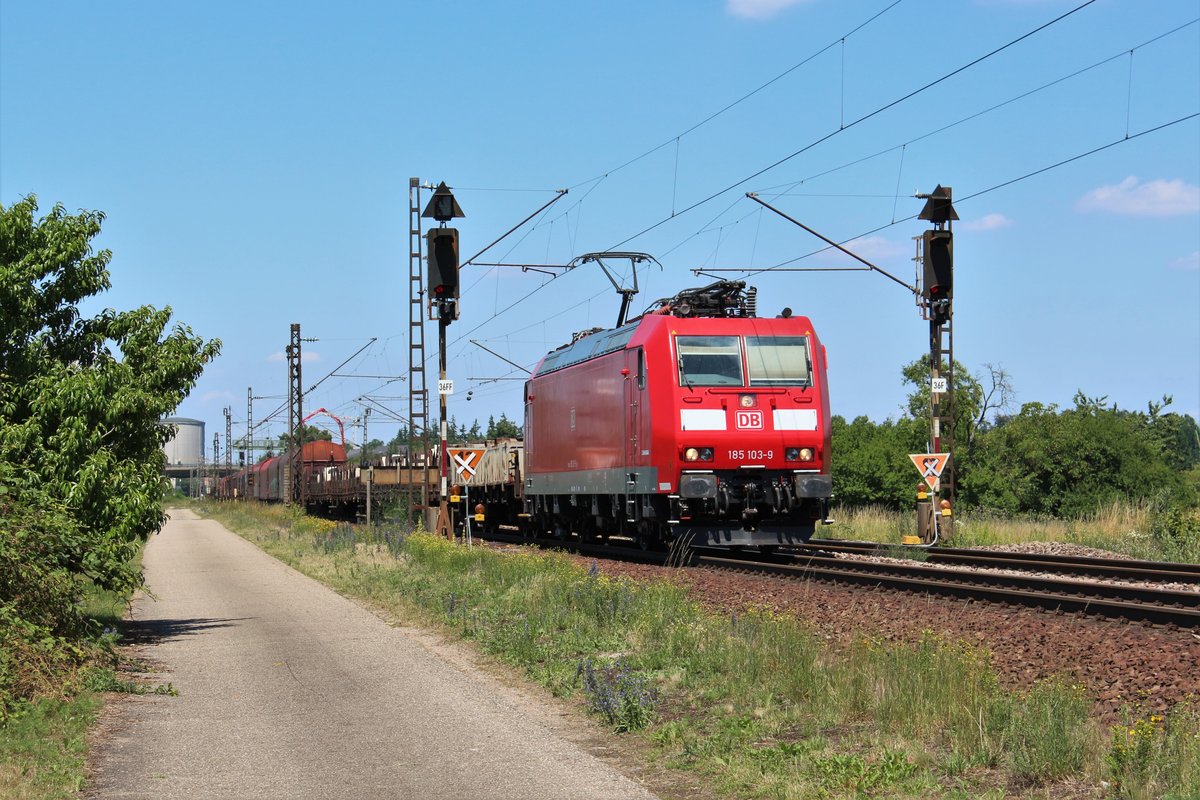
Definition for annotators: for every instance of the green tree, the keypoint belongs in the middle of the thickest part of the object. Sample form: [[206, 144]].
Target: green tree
[[975, 398], [1071, 462], [1042, 459], [870, 460], [1176, 435], [311, 433], [399, 442], [81, 398], [503, 428]]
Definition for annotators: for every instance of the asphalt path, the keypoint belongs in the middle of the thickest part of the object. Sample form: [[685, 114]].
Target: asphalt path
[[288, 690]]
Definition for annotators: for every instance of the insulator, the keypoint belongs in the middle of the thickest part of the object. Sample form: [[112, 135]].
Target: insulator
[[752, 302]]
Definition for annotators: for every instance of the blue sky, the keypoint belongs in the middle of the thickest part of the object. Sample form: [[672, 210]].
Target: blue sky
[[254, 162]]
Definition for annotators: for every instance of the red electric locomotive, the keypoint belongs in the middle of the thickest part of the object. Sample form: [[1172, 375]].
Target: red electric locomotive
[[698, 421]]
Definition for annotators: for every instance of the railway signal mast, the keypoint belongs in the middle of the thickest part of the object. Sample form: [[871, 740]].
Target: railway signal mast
[[935, 255], [935, 297], [441, 255]]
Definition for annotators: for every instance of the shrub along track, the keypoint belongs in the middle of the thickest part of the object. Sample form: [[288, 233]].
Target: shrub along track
[[1119, 662]]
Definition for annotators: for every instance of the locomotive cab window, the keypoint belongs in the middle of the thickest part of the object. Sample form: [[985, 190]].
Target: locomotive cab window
[[778, 361], [709, 360]]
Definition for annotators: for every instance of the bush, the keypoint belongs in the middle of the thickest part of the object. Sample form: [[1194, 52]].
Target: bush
[[1156, 755], [620, 695], [39, 613], [1177, 532]]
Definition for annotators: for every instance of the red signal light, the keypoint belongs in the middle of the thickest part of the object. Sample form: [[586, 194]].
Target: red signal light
[[938, 248], [443, 262]]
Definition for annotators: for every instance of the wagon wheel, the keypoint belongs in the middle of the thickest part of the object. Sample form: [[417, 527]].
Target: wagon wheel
[[647, 534], [589, 531]]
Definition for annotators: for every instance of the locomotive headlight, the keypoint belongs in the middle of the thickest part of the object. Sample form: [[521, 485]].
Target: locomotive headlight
[[798, 454], [747, 400], [698, 454], [806, 454]]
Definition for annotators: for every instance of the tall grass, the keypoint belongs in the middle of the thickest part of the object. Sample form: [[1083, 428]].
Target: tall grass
[[52, 682], [755, 702], [43, 738], [44, 746], [1134, 530]]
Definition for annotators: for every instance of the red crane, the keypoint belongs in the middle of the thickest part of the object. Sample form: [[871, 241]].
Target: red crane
[[341, 427]]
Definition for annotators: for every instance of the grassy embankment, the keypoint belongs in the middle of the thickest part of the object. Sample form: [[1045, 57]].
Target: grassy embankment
[[52, 692], [754, 703], [1133, 531]]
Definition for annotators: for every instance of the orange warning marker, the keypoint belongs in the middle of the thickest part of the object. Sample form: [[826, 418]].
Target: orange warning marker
[[930, 465], [465, 461]]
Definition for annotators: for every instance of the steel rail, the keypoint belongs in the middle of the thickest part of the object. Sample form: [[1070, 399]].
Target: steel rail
[[1121, 601], [1125, 569], [1112, 601]]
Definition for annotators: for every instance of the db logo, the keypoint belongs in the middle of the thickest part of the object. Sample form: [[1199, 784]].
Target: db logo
[[749, 420]]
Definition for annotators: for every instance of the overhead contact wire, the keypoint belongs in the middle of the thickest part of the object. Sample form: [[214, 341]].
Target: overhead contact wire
[[786, 188], [973, 195], [863, 118]]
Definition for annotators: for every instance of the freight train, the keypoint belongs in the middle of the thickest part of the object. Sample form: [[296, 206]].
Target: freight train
[[332, 486], [697, 421], [265, 481]]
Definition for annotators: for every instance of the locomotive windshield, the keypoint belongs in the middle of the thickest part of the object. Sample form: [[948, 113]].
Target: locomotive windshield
[[717, 361], [778, 360], [709, 360]]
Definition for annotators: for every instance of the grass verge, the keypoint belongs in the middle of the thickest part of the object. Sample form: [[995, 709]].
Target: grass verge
[[1127, 529], [755, 703], [43, 738], [43, 747]]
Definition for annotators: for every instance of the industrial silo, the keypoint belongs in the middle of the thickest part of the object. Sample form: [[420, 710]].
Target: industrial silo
[[187, 448]]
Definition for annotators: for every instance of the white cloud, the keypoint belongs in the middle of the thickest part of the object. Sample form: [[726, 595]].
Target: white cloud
[[1187, 263], [1159, 198], [758, 9], [306, 356], [877, 248], [991, 222]]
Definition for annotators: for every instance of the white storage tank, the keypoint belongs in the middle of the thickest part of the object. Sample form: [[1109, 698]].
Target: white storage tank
[[187, 448]]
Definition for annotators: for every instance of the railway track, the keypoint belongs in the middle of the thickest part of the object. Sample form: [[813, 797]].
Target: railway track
[[1116, 568], [1064, 595], [966, 574]]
